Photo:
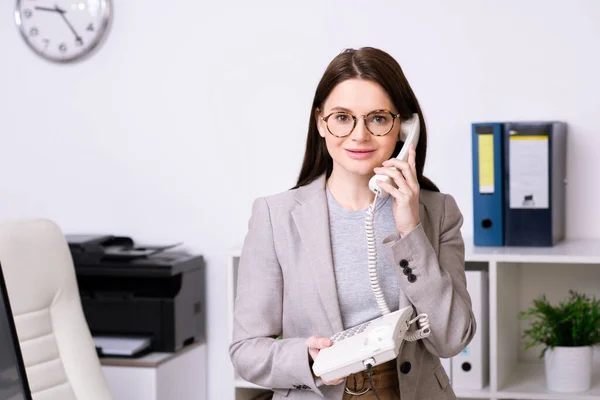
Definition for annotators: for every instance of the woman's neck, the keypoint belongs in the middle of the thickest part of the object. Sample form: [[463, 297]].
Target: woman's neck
[[351, 191]]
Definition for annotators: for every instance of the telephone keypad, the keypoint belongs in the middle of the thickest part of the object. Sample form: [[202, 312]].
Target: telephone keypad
[[350, 332]]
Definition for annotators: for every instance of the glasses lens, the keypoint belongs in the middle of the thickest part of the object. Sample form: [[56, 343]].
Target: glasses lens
[[340, 123], [380, 122]]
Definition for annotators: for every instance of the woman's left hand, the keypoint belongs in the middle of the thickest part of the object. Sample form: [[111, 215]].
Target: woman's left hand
[[406, 192]]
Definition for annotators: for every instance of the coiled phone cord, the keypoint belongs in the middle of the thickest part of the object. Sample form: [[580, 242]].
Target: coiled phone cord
[[421, 319], [372, 259], [423, 331]]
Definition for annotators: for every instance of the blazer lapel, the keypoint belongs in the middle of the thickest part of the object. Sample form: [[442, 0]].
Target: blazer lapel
[[312, 221]]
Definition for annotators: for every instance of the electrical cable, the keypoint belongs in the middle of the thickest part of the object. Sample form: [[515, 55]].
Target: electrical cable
[[369, 366]]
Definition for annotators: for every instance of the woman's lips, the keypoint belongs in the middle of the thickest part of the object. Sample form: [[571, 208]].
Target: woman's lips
[[358, 154]]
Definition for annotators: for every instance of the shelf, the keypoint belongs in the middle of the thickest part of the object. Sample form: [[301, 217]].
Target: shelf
[[529, 382], [516, 276], [575, 251], [571, 251], [462, 393], [473, 393]]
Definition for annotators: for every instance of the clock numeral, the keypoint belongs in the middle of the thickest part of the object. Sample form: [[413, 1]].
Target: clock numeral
[[33, 32], [46, 43], [79, 42], [62, 47], [90, 27], [27, 13]]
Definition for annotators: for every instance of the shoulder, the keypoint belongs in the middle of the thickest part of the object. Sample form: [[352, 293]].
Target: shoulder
[[288, 200], [282, 201]]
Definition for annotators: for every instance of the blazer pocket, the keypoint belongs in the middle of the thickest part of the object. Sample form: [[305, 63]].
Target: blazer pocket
[[282, 392], [441, 376]]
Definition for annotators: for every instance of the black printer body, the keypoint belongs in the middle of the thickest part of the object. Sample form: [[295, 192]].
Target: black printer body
[[147, 292]]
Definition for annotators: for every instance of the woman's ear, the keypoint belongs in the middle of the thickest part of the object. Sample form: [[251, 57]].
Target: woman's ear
[[320, 123], [401, 136]]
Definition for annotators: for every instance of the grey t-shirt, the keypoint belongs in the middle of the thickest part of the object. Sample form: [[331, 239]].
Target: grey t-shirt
[[349, 248]]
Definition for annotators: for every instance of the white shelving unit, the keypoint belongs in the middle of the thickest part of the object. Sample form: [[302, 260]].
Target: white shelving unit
[[517, 275], [159, 376]]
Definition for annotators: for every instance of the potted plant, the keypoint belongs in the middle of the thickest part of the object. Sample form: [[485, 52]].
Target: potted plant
[[567, 333]]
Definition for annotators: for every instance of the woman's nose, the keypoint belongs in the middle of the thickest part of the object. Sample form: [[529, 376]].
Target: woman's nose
[[360, 132]]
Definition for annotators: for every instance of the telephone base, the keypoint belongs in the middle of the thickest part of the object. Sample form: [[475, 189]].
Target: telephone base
[[380, 339]]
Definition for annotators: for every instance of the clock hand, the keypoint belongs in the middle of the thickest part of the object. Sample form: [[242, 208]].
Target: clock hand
[[62, 14], [46, 9]]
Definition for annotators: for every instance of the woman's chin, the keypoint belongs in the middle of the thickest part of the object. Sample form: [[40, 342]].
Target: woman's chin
[[362, 170]]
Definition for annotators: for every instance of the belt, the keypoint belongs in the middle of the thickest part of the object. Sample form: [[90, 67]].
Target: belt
[[383, 376]]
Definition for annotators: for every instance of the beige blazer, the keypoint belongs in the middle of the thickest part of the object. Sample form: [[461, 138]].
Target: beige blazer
[[286, 286]]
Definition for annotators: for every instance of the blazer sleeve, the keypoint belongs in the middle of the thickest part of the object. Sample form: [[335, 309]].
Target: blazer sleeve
[[256, 354], [440, 287]]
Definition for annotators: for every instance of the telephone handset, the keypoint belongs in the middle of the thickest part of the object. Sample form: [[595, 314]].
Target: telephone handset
[[379, 340], [409, 131]]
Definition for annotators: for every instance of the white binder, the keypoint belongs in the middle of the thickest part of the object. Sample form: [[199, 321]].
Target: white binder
[[470, 368]]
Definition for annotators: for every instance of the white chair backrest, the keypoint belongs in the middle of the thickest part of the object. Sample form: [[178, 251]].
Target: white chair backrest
[[58, 349]]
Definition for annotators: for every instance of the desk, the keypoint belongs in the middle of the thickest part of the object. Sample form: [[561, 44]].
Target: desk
[[159, 376]]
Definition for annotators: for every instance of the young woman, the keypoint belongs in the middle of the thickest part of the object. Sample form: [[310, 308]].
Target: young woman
[[303, 269]]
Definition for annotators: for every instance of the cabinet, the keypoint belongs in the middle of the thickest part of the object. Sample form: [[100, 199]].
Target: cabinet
[[516, 275], [159, 376]]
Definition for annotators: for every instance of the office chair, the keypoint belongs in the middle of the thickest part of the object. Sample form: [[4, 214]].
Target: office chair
[[57, 346]]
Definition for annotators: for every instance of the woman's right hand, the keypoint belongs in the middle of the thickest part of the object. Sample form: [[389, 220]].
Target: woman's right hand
[[315, 344]]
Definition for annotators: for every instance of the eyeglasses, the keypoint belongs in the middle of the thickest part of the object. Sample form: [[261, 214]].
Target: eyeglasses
[[378, 122]]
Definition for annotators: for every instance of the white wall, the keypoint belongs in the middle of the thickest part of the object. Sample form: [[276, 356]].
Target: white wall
[[192, 109]]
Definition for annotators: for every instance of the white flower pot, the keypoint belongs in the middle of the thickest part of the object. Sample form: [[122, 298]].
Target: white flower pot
[[568, 369]]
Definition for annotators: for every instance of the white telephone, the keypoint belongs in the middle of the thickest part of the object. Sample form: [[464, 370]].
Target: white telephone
[[409, 131], [380, 340]]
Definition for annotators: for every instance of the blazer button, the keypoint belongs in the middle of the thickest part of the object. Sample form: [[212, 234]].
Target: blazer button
[[407, 271], [403, 263], [405, 367], [412, 278]]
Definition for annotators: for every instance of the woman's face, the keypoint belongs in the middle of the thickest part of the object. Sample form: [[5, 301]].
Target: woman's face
[[360, 151]]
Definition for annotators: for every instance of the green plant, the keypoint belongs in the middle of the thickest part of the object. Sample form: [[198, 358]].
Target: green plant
[[574, 322]]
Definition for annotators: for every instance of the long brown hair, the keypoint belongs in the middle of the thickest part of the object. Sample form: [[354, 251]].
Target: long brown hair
[[377, 66]]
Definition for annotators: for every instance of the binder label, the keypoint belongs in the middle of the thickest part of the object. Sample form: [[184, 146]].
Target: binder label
[[529, 171], [486, 163]]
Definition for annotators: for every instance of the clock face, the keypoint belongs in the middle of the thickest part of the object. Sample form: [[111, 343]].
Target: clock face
[[63, 30]]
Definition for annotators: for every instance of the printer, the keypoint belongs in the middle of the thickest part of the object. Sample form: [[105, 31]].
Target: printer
[[155, 294]]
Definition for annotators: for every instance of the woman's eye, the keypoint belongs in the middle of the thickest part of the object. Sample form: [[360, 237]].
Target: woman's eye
[[379, 119], [342, 118]]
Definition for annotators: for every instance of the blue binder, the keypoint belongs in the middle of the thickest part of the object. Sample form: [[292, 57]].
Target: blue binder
[[534, 182], [488, 185]]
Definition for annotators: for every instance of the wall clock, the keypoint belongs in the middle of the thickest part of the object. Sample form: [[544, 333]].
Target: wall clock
[[63, 30]]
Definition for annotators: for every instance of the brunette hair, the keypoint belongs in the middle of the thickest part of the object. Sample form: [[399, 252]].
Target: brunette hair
[[375, 65]]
